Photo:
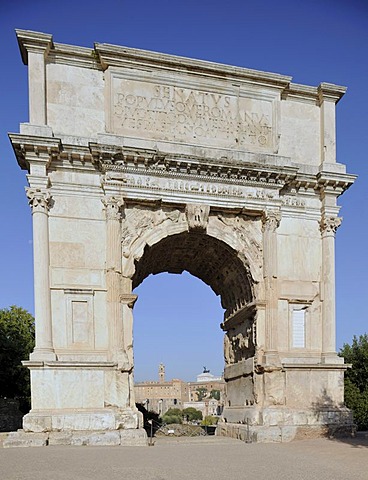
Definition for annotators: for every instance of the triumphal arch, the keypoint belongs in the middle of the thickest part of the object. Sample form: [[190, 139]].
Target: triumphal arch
[[140, 163]]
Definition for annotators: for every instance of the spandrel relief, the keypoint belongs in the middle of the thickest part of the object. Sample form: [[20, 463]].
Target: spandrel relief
[[139, 221], [247, 231]]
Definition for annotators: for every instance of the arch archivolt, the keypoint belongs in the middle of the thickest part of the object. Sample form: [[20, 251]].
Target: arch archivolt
[[222, 248], [144, 226]]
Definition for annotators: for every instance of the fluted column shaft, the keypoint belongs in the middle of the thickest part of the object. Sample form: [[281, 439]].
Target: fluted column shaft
[[328, 227], [271, 220], [113, 276], [39, 201]]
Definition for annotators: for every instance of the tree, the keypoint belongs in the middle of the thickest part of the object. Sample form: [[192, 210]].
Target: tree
[[173, 415], [356, 379], [215, 394], [17, 332], [209, 420], [201, 393], [192, 414]]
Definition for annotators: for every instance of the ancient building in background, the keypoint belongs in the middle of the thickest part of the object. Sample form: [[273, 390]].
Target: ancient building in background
[[140, 163], [162, 395]]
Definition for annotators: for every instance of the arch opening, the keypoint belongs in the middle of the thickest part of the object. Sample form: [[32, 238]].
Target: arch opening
[[205, 257], [177, 323]]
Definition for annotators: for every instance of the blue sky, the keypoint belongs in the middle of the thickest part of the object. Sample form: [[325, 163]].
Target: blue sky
[[177, 317]]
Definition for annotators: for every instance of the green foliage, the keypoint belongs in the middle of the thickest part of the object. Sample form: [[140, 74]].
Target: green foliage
[[215, 394], [209, 420], [17, 334], [192, 414], [356, 379], [173, 415], [201, 393]]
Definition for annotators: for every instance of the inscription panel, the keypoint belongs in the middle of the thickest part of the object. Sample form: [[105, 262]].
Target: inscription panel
[[231, 117]]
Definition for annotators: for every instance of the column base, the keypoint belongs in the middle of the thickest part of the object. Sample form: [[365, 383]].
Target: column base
[[278, 424], [107, 419]]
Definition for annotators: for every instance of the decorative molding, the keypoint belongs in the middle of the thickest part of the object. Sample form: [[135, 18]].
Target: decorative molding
[[331, 92], [113, 206], [39, 200], [128, 299], [329, 225], [33, 42], [271, 220], [119, 56], [33, 149]]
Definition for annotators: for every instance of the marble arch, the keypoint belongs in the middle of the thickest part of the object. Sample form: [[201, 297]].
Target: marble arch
[[140, 162]]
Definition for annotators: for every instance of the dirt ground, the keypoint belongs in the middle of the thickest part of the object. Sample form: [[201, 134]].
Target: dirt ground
[[201, 458]]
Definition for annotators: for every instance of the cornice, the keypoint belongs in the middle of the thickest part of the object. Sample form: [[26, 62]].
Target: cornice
[[74, 55], [119, 159], [104, 55], [118, 56], [335, 182], [315, 95], [331, 92], [300, 92], [29, 146], [252, 169], [30, 41]]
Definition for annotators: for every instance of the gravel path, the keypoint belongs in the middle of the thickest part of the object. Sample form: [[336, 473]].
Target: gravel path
[[205, 458]]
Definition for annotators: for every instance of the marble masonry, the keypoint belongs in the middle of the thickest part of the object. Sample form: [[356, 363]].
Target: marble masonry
[[139, 163]]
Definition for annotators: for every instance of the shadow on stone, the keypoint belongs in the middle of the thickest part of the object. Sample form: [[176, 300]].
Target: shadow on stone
[[337, 422]]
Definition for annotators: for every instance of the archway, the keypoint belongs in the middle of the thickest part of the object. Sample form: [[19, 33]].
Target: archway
[[248, 204], [205, 257]]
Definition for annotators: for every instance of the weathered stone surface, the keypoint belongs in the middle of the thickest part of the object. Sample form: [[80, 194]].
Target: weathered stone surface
[[136, 437], [95, 438], [225, 172], [24, 439], [60, 438]]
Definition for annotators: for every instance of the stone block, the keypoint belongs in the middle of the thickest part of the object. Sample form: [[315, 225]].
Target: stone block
[[136, 438], [36, 423], [105, 438], [267, 435], [26, 439], [60, 438]]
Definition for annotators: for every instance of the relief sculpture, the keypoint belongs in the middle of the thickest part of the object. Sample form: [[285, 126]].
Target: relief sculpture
[[239, 343], [140, 220]]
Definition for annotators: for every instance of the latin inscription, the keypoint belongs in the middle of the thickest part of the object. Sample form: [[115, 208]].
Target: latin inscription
[[192, 187], [174, 113]]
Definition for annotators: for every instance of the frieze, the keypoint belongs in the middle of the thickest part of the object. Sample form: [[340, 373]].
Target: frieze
[[196, 187], [292, 201]]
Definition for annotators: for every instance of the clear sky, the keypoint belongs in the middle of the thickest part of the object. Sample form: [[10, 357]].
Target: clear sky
[[177, 317]]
